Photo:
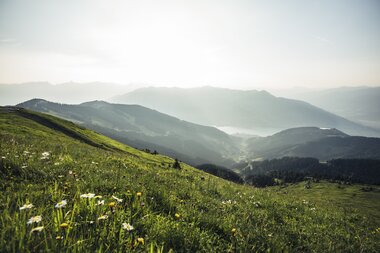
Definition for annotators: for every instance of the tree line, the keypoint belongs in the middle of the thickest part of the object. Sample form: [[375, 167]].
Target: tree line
[[295, 169]]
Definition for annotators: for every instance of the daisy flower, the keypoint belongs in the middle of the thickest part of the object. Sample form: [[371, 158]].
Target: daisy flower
[[88, 195], [128, 226], [35, 219], [26, 206], [61, 204]]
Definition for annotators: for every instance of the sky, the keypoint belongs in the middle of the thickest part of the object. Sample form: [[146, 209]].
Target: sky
[[234, 44]]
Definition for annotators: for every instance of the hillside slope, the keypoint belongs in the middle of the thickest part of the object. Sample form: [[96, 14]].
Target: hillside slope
[[144, 128], [69, 189], [258, 111]]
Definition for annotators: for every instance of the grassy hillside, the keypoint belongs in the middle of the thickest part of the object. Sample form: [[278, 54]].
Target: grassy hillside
[[45, 160]]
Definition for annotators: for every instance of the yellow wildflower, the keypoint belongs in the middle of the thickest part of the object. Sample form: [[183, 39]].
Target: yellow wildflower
[[64, 225], [141, 240]]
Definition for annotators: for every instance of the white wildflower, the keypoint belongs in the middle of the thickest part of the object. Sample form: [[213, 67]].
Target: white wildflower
[[26, 206], [35, 219], [45, 155], [87, 195], [61, 204], [117, 199], [128, 226]]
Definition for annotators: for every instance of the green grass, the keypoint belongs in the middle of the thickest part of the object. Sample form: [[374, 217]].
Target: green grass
[[180, 210], [349, 198]]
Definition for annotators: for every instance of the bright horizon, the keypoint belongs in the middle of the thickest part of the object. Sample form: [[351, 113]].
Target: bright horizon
[[229, 44]]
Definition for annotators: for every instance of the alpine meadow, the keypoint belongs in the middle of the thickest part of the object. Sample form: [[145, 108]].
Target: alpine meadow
[[189, 126]]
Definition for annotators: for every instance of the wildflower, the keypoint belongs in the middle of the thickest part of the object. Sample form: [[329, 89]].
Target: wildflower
[[128, 226], [100, 202], [24, 166], [98, 197], [112, 204], [257, 203], [138, 194], [56, 163], [141, 240], [61, 204], [117, 199], [59, 238], [3, 157], [70, 172], [142, 204], [233, 231], [26, 206], [60, 176], [37, 229], [313, 209], [35, 219], [45, 155], [103, 217], [177, 216], [87, 195], [64, 225]]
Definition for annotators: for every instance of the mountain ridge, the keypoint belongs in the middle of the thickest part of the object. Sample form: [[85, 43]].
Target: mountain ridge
[[250, 109]]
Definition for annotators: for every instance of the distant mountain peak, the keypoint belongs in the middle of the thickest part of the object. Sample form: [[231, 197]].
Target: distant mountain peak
[[312, 130]]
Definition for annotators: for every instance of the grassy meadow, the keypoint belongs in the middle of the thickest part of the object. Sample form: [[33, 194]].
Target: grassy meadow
[[69, 189]]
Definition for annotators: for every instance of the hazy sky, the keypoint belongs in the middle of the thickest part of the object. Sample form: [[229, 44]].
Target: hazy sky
[[266, 44]]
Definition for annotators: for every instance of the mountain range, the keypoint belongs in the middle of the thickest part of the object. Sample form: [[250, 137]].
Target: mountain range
[[360, 104], [144, 128], [258, 111]]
